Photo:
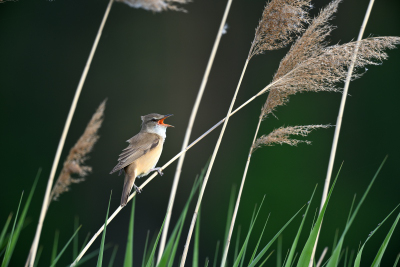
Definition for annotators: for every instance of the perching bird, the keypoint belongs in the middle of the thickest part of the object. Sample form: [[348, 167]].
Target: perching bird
[[142, 154]]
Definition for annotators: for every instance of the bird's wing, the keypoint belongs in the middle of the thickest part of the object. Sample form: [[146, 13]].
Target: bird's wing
[[139, 145]]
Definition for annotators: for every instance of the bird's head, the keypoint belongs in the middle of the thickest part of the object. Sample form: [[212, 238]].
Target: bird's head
[[154, 121]]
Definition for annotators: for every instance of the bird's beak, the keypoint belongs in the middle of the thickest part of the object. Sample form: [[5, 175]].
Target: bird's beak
[[161, 121]]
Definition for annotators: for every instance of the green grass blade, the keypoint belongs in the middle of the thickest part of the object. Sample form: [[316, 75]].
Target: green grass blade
[[294, 259], [351, 208], [335, 239], [170, 249], [216, 254], [259, 240], [345, 257], [279, 252], [334, 260], [151, 257], [230, 214], [64, 248], [145, 249], [242, 251], [8, 252], [196, 242], [378, 258], [245, 249], [358, 258], [5, 228], [313, 222], [264, 250], [397, 260], [128, 261], [266, 259], [359, 254], [284, 261], [183, 217], [39, 253], [169, 253], [351, 257], [237, 243], [175, 247], [92, 254], [206, 264], [305, 255], [55, 247], [21, 220], [85, 241], [290, 259], [170, 244], [100, 258], [76, 240], [113, 255]]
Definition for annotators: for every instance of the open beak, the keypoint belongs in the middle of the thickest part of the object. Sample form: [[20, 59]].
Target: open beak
[[161, 121]]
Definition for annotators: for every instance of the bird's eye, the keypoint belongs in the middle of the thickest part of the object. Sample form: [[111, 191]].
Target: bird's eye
[[153, 119]]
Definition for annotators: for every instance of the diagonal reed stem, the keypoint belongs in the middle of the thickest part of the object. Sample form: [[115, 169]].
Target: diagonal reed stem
[[228, 240], [203, 187], [340, 117], [148, 180], [46, 201], [189, 131]]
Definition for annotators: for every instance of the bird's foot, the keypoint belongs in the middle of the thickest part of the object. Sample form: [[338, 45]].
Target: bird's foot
[[137, 189], [158, 169]]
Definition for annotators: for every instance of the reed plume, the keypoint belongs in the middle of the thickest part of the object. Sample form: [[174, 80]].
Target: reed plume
[[281, 22], [312, 66], [74, 164], [156, 5], [282, 136]]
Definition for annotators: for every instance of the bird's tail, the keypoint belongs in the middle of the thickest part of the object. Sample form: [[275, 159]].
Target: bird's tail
[[128, 184]]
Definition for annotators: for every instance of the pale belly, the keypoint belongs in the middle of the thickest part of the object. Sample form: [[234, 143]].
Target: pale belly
[[148, 161]]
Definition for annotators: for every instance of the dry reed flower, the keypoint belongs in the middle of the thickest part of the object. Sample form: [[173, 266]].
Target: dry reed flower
[[281, 22], [311, 42], [156, 5], [78, 155], [281, 136], [311, 66]]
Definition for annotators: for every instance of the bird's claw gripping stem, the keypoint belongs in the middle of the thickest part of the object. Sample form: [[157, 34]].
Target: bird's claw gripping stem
[[137, 189], [158, 169]]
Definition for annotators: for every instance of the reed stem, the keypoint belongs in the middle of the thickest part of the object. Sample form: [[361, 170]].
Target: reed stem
[[203, 187], [32, 253], [228, 240], [340, 117], [189, 131]]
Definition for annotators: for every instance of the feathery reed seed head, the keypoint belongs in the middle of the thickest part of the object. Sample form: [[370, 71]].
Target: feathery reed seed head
[[281, 136], [282, 20], [312, 66], [78, 155], [156, 5]]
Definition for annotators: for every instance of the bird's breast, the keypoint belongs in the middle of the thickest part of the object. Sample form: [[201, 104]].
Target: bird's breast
[[149, 160]]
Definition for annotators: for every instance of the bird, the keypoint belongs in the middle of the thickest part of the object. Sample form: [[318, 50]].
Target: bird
[[143, 152]]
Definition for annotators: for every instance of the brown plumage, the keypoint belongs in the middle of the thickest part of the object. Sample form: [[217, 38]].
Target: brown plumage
[[143, 152]]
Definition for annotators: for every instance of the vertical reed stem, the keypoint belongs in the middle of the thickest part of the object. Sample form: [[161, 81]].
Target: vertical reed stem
[[189, 131], [228, 241], [210, 167], [46, 201], [340, 117]]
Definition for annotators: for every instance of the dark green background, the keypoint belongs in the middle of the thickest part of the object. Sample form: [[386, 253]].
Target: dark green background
[[148, 62]]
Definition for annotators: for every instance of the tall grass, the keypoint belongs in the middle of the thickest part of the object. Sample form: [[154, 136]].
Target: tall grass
[[309, 65]]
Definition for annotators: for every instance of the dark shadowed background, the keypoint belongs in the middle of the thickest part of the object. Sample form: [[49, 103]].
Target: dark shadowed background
[[148, 62]]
